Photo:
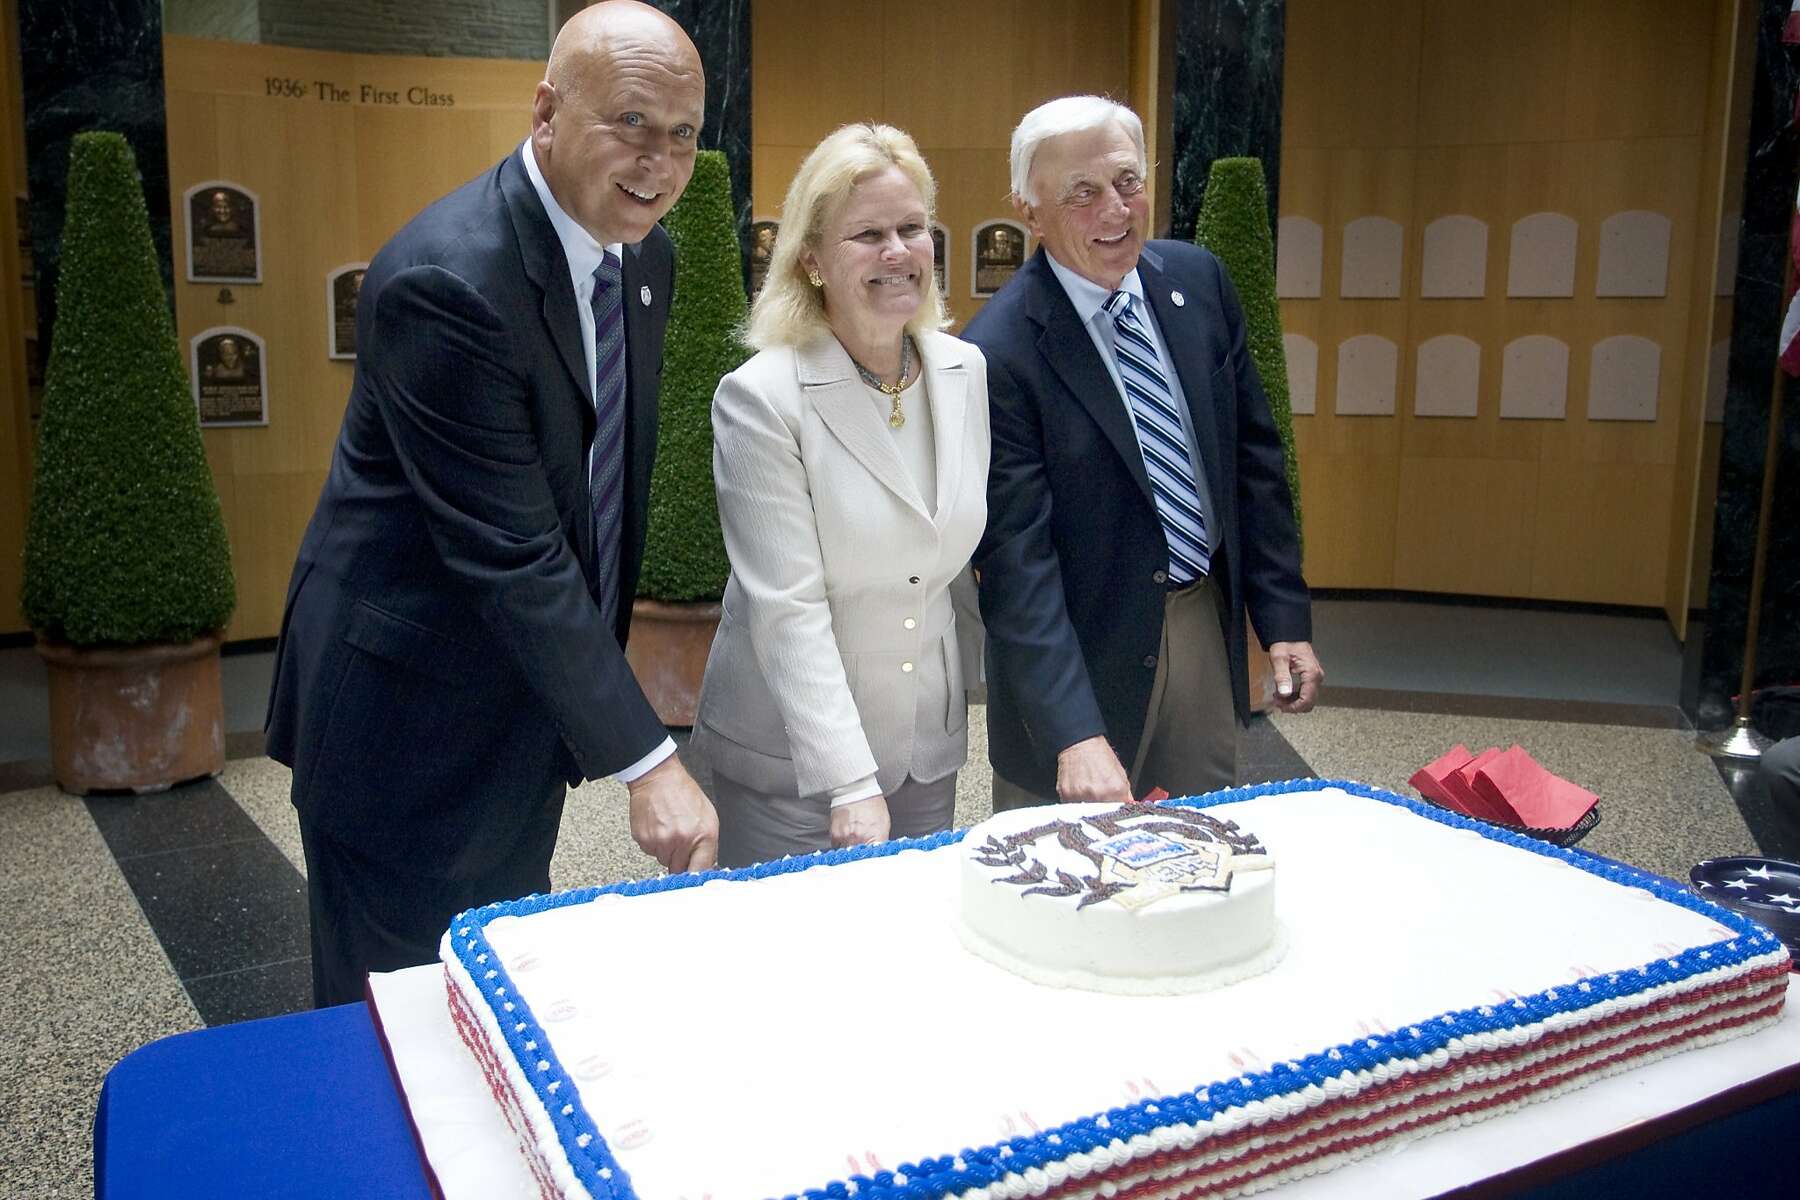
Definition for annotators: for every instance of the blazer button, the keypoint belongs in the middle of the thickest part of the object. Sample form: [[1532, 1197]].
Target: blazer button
[[914, 579], [907, 667], [1150, 661], [909, 623], [1159, 577]]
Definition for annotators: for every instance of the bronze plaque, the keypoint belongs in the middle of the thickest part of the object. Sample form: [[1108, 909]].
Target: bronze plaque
[[940, 258], [228, 378], [762, 251], [223, 238], [343, 287], [999, 253]]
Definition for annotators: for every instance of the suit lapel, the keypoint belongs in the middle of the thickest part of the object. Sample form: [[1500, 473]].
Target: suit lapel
[[548, 269], [1184, 344], [1069, 350], [948, 387], [830, 384]]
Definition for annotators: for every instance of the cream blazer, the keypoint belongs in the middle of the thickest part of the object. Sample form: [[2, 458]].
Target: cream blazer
[[837, 654]]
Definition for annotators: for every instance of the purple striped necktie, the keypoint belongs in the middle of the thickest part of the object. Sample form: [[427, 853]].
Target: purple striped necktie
[[606, 459]]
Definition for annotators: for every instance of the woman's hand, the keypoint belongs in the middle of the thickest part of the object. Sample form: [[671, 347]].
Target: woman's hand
[[859, 822]]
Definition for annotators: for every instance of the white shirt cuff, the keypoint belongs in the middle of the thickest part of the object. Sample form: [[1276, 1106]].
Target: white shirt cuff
[[862, 789], [642, 766]]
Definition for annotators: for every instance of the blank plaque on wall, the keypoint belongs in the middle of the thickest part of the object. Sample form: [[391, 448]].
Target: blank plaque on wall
[[1634, 255], [1299, 259], [1541, 259], [1534, 379], [1303, 373], [1449, 377], [1623, 373], [1372, 259], [1368, 373], [1455, 259]]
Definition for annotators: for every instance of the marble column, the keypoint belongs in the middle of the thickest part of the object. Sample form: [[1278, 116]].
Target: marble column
[[721, 32], [1228, 61], [87, 67], [1714, 675]]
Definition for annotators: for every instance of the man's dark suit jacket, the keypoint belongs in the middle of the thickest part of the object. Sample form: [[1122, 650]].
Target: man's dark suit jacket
[[443, 669], [1073, 565]]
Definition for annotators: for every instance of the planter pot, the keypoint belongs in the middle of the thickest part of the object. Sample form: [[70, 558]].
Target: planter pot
[[134, 718], [1261, 687], [667, 653]]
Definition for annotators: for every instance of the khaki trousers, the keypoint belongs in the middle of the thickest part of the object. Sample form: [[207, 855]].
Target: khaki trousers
[[1190, 737]]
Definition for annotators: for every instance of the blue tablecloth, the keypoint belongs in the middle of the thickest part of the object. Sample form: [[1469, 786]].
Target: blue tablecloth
[[305, 1106], [296, 1106]]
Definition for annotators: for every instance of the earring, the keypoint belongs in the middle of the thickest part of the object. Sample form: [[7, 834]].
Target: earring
[[814, 278]]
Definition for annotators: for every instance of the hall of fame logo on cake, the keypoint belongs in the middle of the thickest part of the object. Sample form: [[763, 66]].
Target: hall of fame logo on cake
[[1139, 854]]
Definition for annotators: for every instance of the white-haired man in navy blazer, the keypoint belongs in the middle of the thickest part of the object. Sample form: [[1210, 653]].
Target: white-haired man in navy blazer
[[1137, 499]]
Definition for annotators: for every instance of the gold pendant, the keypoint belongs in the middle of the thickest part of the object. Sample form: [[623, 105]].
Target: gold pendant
[[896, 418]]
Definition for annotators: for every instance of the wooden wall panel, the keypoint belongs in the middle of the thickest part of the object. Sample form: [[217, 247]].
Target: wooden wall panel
[[989, 64], [1414, 112], [336, 178]]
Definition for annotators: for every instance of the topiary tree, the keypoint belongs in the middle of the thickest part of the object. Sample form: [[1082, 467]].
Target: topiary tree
[[126, 543], [1234, 224], [684, 553]]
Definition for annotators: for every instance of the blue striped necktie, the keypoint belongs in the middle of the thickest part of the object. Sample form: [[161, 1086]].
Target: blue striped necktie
[[606, 459], [1166, 458]]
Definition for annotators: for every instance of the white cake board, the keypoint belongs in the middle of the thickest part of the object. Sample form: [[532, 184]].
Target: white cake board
[[474, 1156]]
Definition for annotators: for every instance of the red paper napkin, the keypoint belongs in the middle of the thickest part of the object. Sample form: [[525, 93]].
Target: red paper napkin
[[1429, 779], [1460, 783], [1541, 800]]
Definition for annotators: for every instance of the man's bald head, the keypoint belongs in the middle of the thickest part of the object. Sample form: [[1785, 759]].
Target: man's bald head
[[600, 36], [615, 123]]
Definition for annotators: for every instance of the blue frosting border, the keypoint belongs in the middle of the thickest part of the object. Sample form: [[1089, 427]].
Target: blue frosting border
[[928, 1179]]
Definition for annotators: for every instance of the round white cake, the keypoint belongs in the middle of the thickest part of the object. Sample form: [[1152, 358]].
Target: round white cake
[[1141, 898]]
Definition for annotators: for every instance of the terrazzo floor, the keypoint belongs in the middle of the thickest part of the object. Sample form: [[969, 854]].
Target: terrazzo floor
[[132, 919]]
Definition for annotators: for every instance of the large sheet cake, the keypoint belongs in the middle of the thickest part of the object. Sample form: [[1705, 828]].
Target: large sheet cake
[[815, 1027]]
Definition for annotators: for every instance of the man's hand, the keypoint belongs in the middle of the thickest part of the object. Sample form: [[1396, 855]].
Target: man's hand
[[1297, 674], [672, 820], [1090, 771], [860, 822]]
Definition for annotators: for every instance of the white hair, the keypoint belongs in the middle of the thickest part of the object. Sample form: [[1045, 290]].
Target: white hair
[[1068, 114]]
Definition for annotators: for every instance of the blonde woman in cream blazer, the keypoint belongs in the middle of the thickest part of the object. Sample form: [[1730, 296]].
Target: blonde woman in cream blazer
[[851, 459]]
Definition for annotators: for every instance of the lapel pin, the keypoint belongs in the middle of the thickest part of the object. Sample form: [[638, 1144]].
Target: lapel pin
[[644, 295], [1178, 298]]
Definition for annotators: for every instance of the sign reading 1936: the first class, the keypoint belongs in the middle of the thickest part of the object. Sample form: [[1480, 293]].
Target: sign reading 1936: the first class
[[325, 91]]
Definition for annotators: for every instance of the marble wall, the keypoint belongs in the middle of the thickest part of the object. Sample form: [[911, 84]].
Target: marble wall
[[721, 31], [90, 67], [1228, 61], [1714, 673]]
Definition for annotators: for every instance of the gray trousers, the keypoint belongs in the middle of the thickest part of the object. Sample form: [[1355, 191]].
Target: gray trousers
[[1190, 729], [758, 826]]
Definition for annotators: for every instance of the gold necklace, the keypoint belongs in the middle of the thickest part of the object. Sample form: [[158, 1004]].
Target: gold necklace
[[896, 418]]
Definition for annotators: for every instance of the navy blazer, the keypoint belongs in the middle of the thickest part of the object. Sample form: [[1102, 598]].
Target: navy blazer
[[443, 666], [1074, 558]]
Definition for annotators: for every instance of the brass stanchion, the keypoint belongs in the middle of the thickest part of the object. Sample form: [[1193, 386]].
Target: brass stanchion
[[1739, 740]]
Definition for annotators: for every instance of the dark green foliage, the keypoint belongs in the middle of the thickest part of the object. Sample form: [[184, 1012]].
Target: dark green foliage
[[1234, 224], [684, 554], [126, 543]]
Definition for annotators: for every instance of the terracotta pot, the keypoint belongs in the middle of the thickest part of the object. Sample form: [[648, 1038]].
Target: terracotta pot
[[667, 653], [134, 718], [1260, 687]]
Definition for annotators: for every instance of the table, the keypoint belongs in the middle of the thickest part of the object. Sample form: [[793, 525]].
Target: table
[[306, 1106]]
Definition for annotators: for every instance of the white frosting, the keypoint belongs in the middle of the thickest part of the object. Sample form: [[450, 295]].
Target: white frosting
[[1393, 920], [1068, 931]]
